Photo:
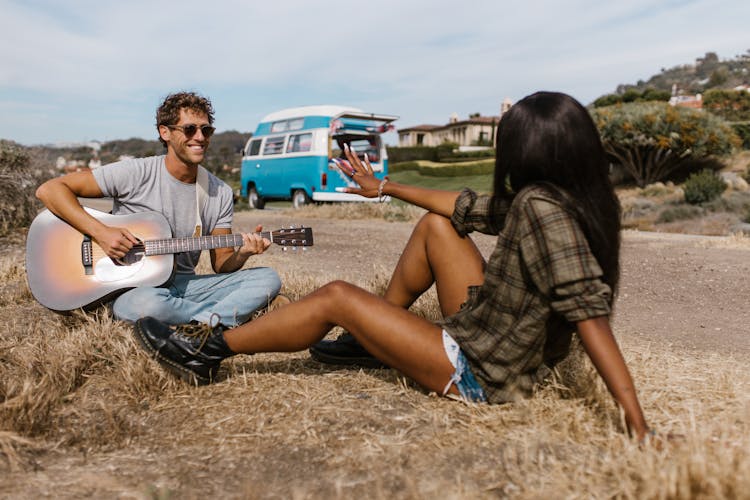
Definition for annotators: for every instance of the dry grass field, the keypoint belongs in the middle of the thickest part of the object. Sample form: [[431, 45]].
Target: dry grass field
[[84, 412]]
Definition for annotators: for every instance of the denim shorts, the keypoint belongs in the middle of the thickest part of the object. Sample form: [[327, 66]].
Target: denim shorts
[[463, 378]]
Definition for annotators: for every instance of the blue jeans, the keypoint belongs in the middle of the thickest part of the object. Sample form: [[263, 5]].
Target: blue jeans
[[234, 297]]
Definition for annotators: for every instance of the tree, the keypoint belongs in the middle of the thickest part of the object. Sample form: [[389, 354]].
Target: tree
[[632, 95], [20, 174], [652, 94], [607, 100], [652, 140], [718, 77], [733, 105]]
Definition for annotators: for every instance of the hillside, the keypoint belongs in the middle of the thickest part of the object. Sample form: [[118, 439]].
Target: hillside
[[708, 72], [226, 149]]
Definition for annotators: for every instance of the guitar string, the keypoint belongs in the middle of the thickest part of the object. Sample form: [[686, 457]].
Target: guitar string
[[160, 246]]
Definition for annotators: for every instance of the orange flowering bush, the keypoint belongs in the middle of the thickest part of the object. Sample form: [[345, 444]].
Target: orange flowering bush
[[652, 140]]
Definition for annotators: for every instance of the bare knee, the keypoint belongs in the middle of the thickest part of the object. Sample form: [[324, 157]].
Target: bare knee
[[432, 226], [336, 294], [433, 221]]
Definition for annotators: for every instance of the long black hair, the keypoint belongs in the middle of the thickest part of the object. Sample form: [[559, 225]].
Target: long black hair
[[549, 138]]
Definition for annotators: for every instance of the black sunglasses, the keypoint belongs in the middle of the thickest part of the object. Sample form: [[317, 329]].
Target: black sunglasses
[[191, 129]]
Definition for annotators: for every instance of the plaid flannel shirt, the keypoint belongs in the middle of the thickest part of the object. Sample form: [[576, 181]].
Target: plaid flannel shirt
[[540, 280]]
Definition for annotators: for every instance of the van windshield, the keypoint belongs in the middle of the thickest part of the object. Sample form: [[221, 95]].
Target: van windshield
[[361, 144]]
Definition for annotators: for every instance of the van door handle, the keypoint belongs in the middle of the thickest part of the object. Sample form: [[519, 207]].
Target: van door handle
[[257, 165]]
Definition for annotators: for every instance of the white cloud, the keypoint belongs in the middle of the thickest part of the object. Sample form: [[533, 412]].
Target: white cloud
[[420, 59]]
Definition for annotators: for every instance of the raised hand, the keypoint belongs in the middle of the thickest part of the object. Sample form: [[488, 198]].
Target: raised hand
[[361, 173]]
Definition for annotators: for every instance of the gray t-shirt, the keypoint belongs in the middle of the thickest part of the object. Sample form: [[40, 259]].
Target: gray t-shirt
[[144, 184]]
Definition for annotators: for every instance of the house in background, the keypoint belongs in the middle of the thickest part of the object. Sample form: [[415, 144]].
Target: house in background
[[679, 98], [475, 131]]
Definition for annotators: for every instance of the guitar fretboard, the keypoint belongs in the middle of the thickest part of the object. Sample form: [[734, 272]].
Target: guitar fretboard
[[191, 244]]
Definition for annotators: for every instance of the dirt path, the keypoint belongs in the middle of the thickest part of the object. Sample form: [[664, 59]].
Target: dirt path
[[686, 291]]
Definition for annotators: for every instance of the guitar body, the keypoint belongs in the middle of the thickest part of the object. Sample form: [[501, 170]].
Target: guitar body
[[58, 278]]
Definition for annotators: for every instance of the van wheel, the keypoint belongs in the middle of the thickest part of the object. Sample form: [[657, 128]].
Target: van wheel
[[254, 200], [300, 198]]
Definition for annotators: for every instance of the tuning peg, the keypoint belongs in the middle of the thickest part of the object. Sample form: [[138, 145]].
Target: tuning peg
[[283, 249]]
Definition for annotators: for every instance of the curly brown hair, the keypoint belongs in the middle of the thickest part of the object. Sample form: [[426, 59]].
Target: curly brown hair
[[169, 111]]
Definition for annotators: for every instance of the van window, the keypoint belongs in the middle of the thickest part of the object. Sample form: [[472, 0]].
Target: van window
[[299, 143], [284, 125], [274, 146], [362, 144], [277, 127], [254, 148]]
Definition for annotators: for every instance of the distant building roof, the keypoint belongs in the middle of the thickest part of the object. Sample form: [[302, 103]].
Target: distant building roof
[[477, 120], [423, 128]]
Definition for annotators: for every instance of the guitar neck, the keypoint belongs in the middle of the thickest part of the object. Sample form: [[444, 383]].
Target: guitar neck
[[191, 244]]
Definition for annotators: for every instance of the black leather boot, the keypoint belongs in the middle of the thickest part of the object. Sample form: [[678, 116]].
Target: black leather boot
[[345, 350], [191, 352]]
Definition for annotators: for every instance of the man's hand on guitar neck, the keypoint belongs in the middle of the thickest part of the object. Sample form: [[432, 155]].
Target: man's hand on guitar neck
[[227, 260], [253, 243], [115, 241]]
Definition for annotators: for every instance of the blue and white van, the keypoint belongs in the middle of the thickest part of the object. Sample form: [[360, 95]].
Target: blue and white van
[[294, 152]]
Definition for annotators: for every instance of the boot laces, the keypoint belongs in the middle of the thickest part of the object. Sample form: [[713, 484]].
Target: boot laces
[[197, 334]]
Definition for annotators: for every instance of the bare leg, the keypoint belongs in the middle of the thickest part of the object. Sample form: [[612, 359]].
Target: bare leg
[[399, 338], [435, 253]]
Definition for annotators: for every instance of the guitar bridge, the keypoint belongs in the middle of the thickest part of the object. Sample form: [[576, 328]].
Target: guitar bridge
[[87, 255]]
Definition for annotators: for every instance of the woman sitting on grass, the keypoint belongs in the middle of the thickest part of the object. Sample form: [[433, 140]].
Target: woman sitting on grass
[[507, 321]]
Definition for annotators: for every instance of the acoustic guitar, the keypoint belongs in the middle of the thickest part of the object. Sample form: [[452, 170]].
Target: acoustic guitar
[[67, 270]]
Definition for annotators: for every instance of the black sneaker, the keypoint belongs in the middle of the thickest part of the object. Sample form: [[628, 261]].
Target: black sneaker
[[345, 350], [191, 352]]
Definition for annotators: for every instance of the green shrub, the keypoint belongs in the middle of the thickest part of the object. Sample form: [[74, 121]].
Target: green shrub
[[460, 169], [459, 156], [735, 202], [18, 182], [733, 105], [445, 150], [411, 153], [653, 140], [402, 166], [632, 95], [742, 129], [443, 153], [679, 212], [447, 169], [703, 187]]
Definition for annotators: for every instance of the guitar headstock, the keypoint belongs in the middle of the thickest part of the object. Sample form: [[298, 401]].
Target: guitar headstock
[[293, 237]]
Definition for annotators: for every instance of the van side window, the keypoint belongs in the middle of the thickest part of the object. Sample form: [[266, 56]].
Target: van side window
[[284, 125], [254, 148], [274, 146], [279, 126], [299, 143]]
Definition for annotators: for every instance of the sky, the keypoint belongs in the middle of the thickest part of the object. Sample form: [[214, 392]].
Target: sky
[[83, 70]]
